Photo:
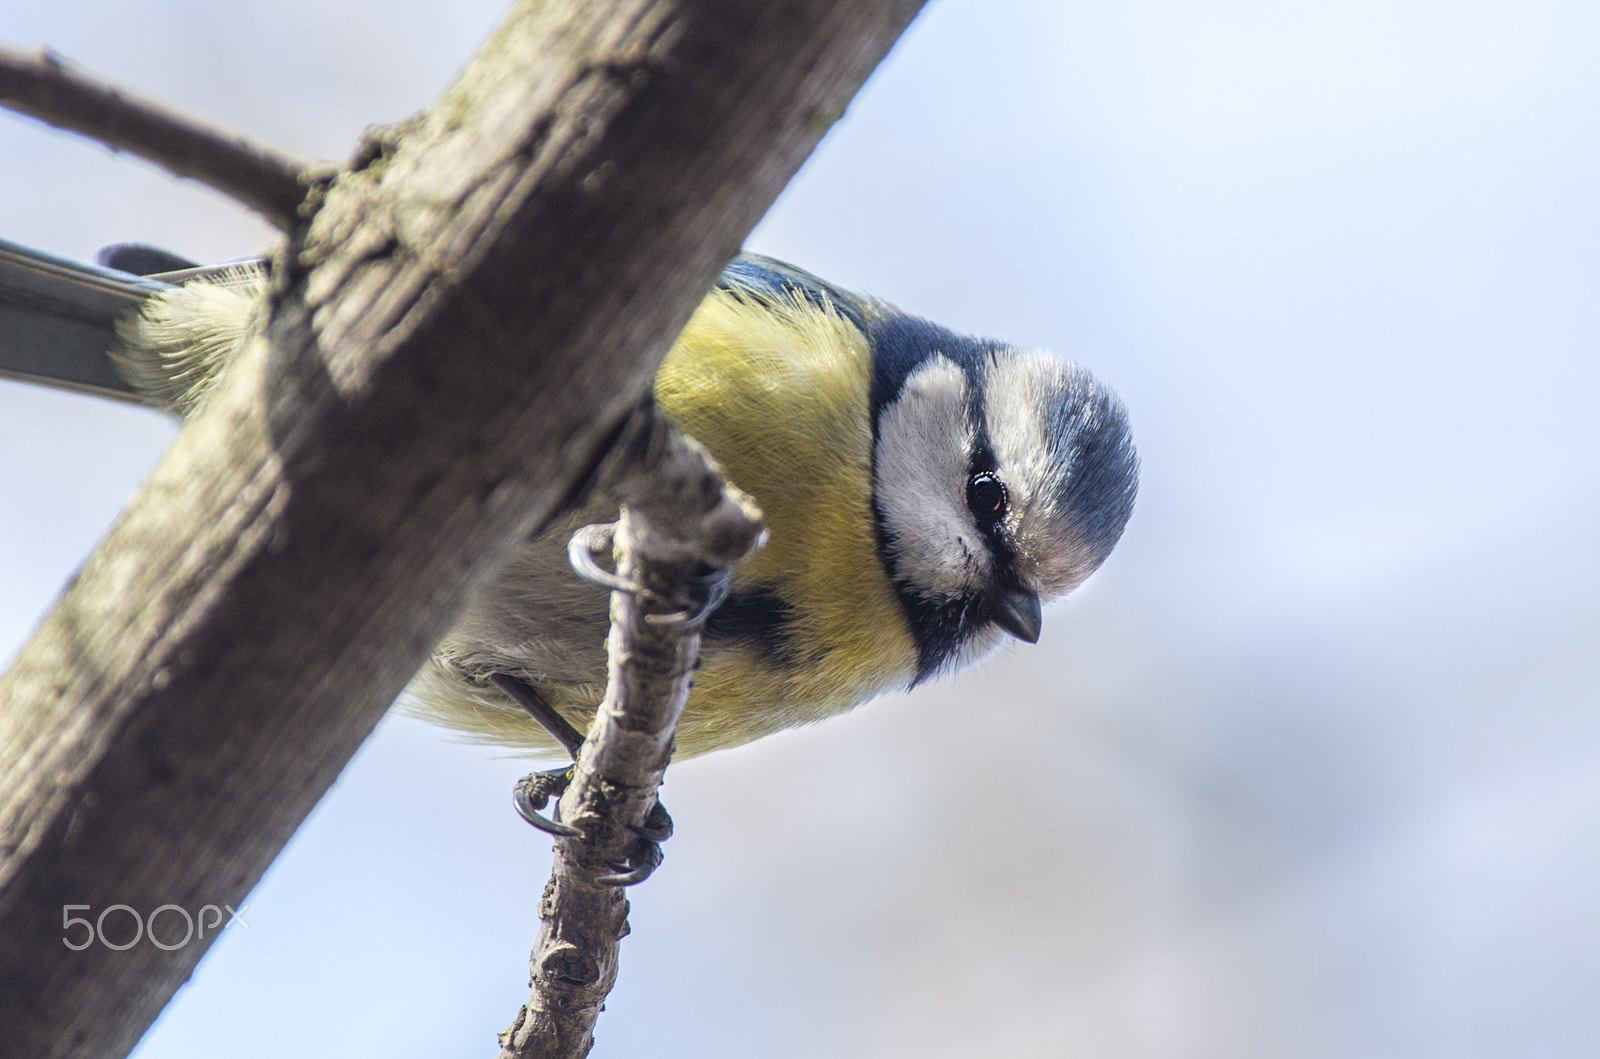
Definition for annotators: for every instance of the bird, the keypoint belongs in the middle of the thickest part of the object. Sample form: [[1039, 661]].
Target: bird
[[926, 492]]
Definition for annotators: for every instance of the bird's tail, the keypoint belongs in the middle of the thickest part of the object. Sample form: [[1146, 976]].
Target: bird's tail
[[177, 347], [160, 340], [58, 317]]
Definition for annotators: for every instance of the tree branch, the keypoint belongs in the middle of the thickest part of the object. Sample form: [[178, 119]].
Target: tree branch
[[682, 528], [269, 180], [453, 342]]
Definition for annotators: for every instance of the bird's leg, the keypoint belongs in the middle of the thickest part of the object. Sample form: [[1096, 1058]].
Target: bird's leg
[[526, 696], [534, 791]]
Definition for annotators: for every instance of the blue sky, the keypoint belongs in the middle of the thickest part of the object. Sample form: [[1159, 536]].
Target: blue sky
[[1308, 769]]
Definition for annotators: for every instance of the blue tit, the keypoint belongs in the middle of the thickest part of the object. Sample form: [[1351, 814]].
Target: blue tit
[[926, 492]]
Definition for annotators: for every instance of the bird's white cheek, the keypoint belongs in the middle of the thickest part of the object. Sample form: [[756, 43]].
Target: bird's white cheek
[[923, 444]]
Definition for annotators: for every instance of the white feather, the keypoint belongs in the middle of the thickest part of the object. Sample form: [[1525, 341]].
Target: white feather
[[924, 439]]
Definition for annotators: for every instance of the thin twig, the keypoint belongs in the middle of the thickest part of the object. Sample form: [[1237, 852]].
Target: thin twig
[[682, 526], [268, 179]]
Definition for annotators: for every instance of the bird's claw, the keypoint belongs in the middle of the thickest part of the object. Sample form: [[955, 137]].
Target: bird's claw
[[657, 826], [534, 791], [645, 857], [589, 543]]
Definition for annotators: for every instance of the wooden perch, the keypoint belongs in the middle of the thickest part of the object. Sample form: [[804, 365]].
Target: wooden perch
[[455, 338], [269, 180], [682, 528]]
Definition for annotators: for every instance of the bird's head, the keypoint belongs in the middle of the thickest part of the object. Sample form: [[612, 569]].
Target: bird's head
[[1003, 477]]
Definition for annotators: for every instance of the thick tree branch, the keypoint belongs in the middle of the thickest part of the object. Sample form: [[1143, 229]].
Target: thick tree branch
[[269, 180], [453, 342], [682, 528]]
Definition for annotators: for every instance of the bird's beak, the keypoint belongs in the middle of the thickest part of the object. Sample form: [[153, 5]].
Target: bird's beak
[[1016, 610]]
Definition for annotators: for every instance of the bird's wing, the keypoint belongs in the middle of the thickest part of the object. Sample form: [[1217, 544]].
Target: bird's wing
[[766, 275], [57, 317]]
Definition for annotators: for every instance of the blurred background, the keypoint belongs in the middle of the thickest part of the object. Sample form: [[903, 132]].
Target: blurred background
[[1309, 769]]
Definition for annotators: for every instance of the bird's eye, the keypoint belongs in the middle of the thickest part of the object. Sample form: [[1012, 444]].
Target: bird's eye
[[986, 497]]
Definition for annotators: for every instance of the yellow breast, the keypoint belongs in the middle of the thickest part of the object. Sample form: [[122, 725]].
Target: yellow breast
[[777, 391]]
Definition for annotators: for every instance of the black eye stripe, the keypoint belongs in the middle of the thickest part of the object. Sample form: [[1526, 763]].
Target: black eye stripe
[[986, 498]]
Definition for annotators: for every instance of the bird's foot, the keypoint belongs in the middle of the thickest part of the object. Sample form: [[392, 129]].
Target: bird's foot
[[534, 791], [645, 856]]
